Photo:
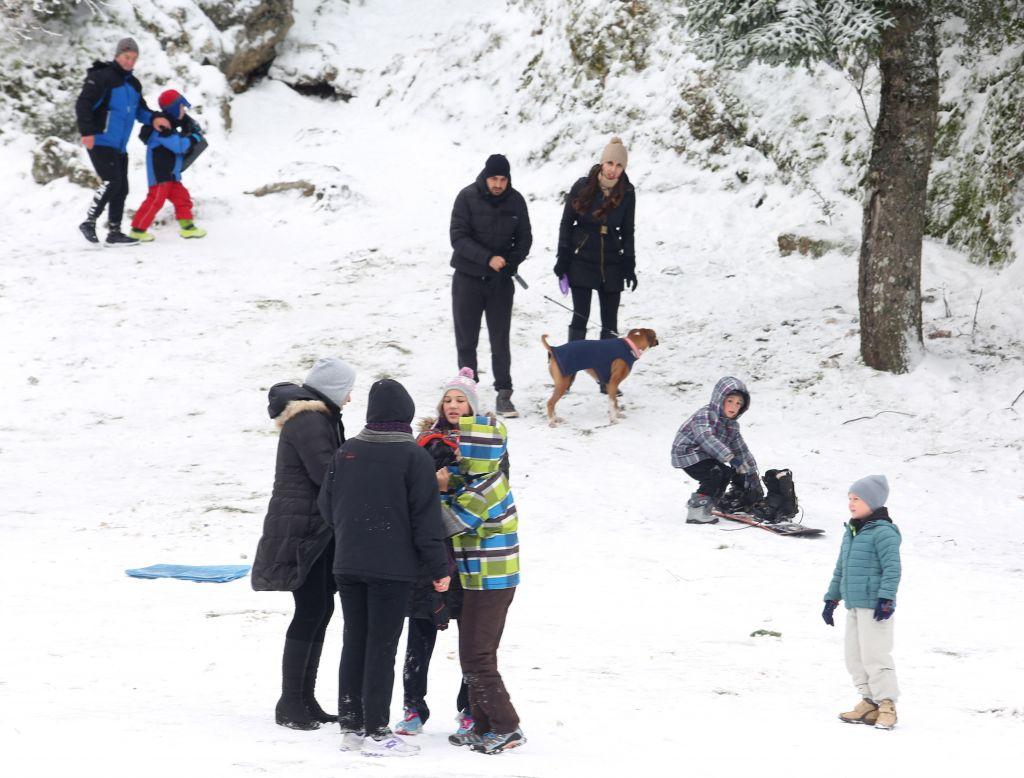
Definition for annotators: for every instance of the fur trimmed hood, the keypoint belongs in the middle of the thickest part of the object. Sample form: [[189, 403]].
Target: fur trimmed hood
[[286, 400], [295, 407]]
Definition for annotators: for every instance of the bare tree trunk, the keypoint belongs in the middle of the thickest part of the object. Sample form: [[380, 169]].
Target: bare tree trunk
[[894, 209]]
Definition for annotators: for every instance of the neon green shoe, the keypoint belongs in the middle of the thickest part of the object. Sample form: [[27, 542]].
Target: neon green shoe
[[189, 230], [141, 236]]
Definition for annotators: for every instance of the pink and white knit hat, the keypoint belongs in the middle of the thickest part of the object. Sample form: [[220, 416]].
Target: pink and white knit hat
[[466, 384]]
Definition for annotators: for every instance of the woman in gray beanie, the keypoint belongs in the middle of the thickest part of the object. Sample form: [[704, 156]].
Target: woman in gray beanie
[[296, 552]]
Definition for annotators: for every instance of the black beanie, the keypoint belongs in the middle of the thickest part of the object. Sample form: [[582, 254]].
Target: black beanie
[[389, 401], [497, 165]]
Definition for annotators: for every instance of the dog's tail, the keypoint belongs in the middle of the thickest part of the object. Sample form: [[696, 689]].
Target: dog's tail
[[544, 340]]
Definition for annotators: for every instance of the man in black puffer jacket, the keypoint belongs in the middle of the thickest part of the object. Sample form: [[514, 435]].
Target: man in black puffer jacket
[[490, 234], [296, 552], [380, 496]]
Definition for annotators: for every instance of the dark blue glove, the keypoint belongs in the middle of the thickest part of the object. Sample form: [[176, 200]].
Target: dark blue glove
[[830, 608], [884, 609], [631, 281]]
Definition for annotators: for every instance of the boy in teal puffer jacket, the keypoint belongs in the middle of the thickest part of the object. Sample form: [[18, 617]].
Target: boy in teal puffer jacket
[[866, 577]]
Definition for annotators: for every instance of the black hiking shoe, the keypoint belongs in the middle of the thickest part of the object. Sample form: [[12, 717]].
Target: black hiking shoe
[[88, 229], [503, 405], [119, 239], [494, 743]]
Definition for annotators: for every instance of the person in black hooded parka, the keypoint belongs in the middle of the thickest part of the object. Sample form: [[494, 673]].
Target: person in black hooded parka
[[380, 496], [296, 551]]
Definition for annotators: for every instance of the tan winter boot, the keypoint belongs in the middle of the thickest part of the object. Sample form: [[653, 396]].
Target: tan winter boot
[[886, 715], [864, 712]]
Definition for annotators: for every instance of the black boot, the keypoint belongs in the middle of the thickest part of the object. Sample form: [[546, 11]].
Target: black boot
[[88, 229], [117, 238], [291, 709], [309, 687], [780, 503]]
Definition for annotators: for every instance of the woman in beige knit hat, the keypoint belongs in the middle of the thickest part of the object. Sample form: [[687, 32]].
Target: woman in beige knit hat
[[595, 241]]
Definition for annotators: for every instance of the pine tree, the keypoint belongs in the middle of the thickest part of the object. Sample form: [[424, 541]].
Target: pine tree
[[900, 36]]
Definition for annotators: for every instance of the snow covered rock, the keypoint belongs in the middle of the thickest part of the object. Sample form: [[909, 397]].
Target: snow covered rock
[[253, 29], [56, 158], [815, 240]]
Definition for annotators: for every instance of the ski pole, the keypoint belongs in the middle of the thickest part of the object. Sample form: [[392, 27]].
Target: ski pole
[[519, 279]]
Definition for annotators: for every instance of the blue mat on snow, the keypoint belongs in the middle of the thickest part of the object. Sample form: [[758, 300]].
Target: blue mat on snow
[[200, 573]]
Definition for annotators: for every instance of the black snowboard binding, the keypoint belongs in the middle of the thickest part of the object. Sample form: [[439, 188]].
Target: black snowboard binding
[[738, 499], [780, 504]]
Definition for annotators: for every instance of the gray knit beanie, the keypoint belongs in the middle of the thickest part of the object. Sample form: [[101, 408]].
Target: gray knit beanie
[[872, 489], [333, 378], [126, 44]]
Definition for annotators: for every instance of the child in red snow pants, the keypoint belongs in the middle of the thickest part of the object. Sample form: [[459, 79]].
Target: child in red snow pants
[[174, 191]]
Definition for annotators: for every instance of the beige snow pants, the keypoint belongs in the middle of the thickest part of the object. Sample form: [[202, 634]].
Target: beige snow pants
[[869, 655]]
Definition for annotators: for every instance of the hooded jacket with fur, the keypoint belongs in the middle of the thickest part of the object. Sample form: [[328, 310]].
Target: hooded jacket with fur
[[294, 532]]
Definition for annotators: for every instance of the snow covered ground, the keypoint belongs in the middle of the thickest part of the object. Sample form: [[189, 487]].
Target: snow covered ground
[[136, 433]]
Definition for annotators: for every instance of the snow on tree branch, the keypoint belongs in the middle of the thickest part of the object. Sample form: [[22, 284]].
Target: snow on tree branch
[[734, 32]]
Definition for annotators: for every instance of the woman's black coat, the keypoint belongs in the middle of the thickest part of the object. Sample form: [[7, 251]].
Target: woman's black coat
[[294, 532], [597, 254]]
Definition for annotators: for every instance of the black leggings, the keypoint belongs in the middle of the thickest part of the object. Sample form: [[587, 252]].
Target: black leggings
[[314, 600], [609, 303], [112, 167], [419, 647]]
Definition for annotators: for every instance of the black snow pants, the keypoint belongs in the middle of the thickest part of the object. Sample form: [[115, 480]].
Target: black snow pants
[[472, 298], [112, 167], [374, 612], [713, 477]]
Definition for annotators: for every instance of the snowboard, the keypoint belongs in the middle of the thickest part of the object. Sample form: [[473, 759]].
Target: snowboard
[[780, 528]]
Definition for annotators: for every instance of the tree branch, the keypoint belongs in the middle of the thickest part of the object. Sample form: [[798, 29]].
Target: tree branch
[[861, 418], [932, 454], [974, 322]]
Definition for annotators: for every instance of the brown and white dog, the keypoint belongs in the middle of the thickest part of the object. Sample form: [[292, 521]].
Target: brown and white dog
[[608, 361]]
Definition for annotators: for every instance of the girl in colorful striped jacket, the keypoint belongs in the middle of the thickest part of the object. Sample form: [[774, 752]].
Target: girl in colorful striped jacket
[[481, 511]]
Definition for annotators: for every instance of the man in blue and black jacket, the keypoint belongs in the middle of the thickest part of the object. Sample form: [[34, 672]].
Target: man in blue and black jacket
[[107, 108]]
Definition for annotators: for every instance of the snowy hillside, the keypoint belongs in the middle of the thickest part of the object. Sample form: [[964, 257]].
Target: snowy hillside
[[137, 431]]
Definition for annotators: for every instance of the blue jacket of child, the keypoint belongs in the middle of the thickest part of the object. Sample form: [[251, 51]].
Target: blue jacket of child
[[868, 568], [165, 153]]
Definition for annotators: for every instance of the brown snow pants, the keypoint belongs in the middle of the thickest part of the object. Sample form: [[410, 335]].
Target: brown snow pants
[[480, 626]]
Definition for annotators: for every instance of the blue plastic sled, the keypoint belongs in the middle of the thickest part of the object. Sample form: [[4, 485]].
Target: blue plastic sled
[[199, 573]]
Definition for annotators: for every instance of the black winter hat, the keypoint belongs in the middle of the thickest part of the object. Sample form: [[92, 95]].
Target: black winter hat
[[389, 401], [497, 165]]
